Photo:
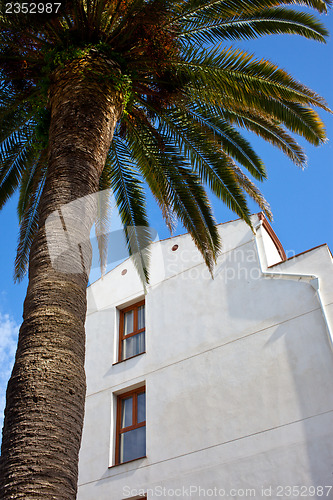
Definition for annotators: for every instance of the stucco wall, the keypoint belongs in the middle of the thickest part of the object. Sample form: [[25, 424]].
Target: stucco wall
[[238, 372]]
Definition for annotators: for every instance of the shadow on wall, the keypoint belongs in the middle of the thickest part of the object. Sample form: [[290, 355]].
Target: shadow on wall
[[307, 373]]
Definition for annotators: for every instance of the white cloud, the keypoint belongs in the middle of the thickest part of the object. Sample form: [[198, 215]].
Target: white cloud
[[8, 342]]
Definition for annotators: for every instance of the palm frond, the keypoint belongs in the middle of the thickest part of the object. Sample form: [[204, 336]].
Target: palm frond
[[167, 174], [16, 159], [214, 167], [205, 11], [129, 194], [31, 178], [30, 199], [266, 22], [228, 139], [270, 131], [233, 72], [253, 191]]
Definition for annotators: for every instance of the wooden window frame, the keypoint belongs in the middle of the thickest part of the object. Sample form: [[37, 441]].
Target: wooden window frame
[[135, 423], [136, 331], [139, 497]]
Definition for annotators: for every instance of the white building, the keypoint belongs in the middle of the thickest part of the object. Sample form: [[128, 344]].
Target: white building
[[237, 372]]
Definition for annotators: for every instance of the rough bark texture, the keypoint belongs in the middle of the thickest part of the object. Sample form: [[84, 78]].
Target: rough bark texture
[[46, 392]]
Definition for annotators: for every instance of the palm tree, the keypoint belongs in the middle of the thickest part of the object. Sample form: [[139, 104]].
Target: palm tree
[[121, 94]]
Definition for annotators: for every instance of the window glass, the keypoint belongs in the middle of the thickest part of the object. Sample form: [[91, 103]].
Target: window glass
[[126, 412], [141, 407], [133, 444], [128, 322], [141, 317], [133, 345]]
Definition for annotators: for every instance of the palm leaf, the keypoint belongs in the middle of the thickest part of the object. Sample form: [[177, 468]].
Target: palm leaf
[[181, 188], [266, 22], [207, 10], [233, 72], [253, 191], [129, 194], [29, 201]]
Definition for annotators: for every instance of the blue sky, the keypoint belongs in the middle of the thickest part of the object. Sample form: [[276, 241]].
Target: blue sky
[[301, 201]]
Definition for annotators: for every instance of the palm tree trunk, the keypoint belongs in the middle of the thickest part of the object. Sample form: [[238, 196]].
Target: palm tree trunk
[[46, 392]]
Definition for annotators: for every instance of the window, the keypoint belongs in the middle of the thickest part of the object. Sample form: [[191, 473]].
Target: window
[[132, 331], [140, 497], [131, 426]]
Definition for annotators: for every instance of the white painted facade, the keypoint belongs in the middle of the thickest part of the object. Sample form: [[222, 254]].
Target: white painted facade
[[238, 372]]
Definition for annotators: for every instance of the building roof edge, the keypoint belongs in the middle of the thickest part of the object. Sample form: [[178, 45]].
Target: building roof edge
[[302, 253], [273, 236]]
